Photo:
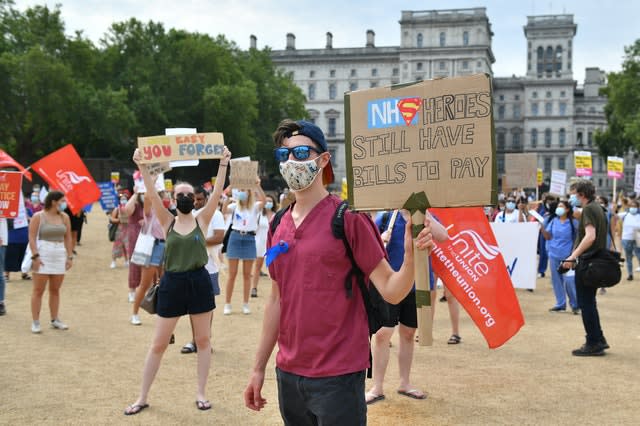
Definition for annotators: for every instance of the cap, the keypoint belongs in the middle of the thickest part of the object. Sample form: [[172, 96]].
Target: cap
[[313, 132]]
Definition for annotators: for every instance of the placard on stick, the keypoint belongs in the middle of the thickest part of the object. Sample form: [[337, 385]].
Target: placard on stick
[[243, 173], [159, 149], [10, 190], [521, 170], [434, 136]]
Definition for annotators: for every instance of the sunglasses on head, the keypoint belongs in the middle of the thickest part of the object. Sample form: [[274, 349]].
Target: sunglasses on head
[[185, 194], [301, 152]]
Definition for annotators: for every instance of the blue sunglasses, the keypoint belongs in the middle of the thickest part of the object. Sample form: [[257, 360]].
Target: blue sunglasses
[[300, 153]]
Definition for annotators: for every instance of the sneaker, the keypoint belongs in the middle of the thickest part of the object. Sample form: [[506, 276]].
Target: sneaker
[[113, 264], [3, 310], [638, 269], [189, 348], [557, 309], [35, 327], [588, 350], [254, 292], [245, 309], [56, 323], [540, 274], [630, 278], [135, 320], [227, 309], [132, 296]]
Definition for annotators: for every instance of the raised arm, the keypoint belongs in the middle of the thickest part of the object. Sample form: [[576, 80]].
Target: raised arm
[[207, 211], [164, 216]]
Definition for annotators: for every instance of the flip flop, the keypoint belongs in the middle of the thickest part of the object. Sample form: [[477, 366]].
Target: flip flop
[[413, 393], [134, 409], [375, 398], [454, 339], [203, 405], [189, 348]]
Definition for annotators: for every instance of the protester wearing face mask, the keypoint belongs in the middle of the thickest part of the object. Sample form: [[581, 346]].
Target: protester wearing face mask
[[560, 233], [630, 229], [242, 242], [261, 242], [509, 214], [36, 205], [52, 255], [120, 219]]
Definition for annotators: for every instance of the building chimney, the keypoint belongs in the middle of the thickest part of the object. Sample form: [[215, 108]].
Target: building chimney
[[291, 41], [371, 38], [252, 41], [329, 41]]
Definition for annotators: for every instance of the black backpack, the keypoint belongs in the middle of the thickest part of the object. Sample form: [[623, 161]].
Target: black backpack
[[376, 307]]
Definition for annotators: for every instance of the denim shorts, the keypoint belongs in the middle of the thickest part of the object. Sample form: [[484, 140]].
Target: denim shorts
[[182, 293], [157, 255], [215, 286]]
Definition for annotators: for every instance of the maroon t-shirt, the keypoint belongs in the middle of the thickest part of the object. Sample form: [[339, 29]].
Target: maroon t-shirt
[[322, 332]]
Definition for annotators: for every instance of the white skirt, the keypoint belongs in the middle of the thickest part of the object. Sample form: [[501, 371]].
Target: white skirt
[[53, 257]]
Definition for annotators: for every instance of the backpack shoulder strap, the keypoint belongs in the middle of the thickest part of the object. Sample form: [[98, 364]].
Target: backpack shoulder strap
[[337, 228], [277, 217]]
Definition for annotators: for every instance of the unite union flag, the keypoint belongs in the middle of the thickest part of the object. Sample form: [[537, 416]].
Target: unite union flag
[[7, 161], [64, 170]]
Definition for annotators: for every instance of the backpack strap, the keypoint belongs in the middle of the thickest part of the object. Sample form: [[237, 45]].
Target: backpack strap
[[277, 217]]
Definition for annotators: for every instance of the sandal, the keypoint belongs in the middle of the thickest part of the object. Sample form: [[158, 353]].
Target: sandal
[[454, 339], [203, 405], [134, 409], [189, 348], [26, 277]]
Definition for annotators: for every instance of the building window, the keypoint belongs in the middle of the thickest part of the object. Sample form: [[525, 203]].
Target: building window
[[332, 91], [374, 72], [331, 131], [443, 39], [547, 138], [501, 112], [563, 108], [332, 73], [516, 97], [534, 95], [353, 86], [479, 64], [419, 40], [534, 138], [312, 74], [353, 72], [548, 61], [516, 141], [465, 38], [548, 108], [465, 65], [558, 59], [501, 141], [311, 94], [579, 139], [590, 139], [563, 94], [562, 163], [540, 60], [442, 65], [547, 164], [373, 84], [562, 138], [516, 111], [534, 109], [395, 72], [501, 97], [548, 94], [500, 165], [419, 66]]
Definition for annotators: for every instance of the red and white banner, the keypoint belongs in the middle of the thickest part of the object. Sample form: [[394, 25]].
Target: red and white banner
[[10, 188], [470, 264], [7, 161], [64, 170]]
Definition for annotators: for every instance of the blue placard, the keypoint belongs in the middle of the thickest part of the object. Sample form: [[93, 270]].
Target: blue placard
[[108, 196]]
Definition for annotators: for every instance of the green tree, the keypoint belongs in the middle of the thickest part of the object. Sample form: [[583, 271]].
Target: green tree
[[623, 107]]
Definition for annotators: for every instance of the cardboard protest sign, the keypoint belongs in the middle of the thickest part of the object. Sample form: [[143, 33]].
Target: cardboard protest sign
[[521, 170], [433, 136], [583, 163], [558, 183], [10, 189], [165, 148], [243, 173], [109, 199], [182, 131], [615, 167]]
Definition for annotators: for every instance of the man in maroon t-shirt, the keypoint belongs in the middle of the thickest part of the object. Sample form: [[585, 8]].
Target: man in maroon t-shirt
[[322, 334]]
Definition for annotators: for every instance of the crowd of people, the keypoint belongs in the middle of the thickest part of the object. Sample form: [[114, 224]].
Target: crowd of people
[[321, 364]]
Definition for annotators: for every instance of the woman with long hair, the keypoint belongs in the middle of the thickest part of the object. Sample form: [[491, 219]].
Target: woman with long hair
[[185, 287], [52, 255], [264, 219], [242, 242]]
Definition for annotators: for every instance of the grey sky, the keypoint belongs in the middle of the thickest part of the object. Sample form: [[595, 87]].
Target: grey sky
[[603, 28]]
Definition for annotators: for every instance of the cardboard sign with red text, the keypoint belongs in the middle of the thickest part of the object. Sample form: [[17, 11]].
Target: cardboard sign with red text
[[160, 149], [10, 187], [470, 264]]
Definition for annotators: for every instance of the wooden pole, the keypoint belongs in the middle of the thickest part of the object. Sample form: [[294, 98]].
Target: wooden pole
[[423, 293], [614, 189]]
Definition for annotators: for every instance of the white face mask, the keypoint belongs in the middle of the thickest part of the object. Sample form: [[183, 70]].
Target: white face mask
[[299, 175]]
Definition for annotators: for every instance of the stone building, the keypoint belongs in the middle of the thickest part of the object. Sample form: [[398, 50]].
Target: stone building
[[544, 111]]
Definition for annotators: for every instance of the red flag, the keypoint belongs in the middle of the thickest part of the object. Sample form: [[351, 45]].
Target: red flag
[[471, 266], [10, 188], [64, 170], [7, 161]]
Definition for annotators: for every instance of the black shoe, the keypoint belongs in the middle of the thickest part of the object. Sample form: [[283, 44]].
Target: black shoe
[[254, 292], [588, 350], [172, 340], [575, 311], [630, 278], [3, 310], [443, 299], [557, 309], [603, 344]]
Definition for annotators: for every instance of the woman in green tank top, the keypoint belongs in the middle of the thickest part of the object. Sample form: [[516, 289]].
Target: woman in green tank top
[[185, 287]]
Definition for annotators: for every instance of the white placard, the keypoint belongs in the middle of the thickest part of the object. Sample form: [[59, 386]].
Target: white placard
[[517, 242], [182, 131], [558, 185], [636, 181]]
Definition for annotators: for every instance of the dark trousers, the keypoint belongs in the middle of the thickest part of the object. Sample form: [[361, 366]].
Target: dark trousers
[[543, 259], [324, 401], [590, 318]]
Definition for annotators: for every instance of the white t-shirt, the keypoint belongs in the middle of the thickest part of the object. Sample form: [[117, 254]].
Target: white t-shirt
[[630, 222], [4, 232], [245, 219], [505, 217], [217, 222]]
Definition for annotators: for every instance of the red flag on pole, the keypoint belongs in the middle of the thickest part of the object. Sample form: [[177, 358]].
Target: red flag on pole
[[471, 266], [64, 170], [7, 161]]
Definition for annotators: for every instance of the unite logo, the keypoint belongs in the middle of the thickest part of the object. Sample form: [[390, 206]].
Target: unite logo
[[393, 112], [471, 252], [69, 178]]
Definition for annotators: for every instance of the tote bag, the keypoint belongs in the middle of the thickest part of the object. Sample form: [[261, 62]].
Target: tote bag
[[144, 247]]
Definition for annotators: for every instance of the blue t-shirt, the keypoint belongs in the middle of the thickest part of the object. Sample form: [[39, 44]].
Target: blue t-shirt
[[562, 238], [395, 246]]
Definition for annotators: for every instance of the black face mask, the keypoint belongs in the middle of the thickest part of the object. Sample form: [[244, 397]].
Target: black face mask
[[184, 204]]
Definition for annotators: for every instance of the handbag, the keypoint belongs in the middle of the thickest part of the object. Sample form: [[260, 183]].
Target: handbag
[[113, 228], [27, 261], [150, 299], [143, 248], [599, 268]]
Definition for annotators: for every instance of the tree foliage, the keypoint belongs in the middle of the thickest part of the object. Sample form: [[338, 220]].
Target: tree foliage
[[623, 107], [138, 81]]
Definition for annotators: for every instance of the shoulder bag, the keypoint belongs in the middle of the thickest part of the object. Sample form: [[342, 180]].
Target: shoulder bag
[[150, 299], [144, 247]]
